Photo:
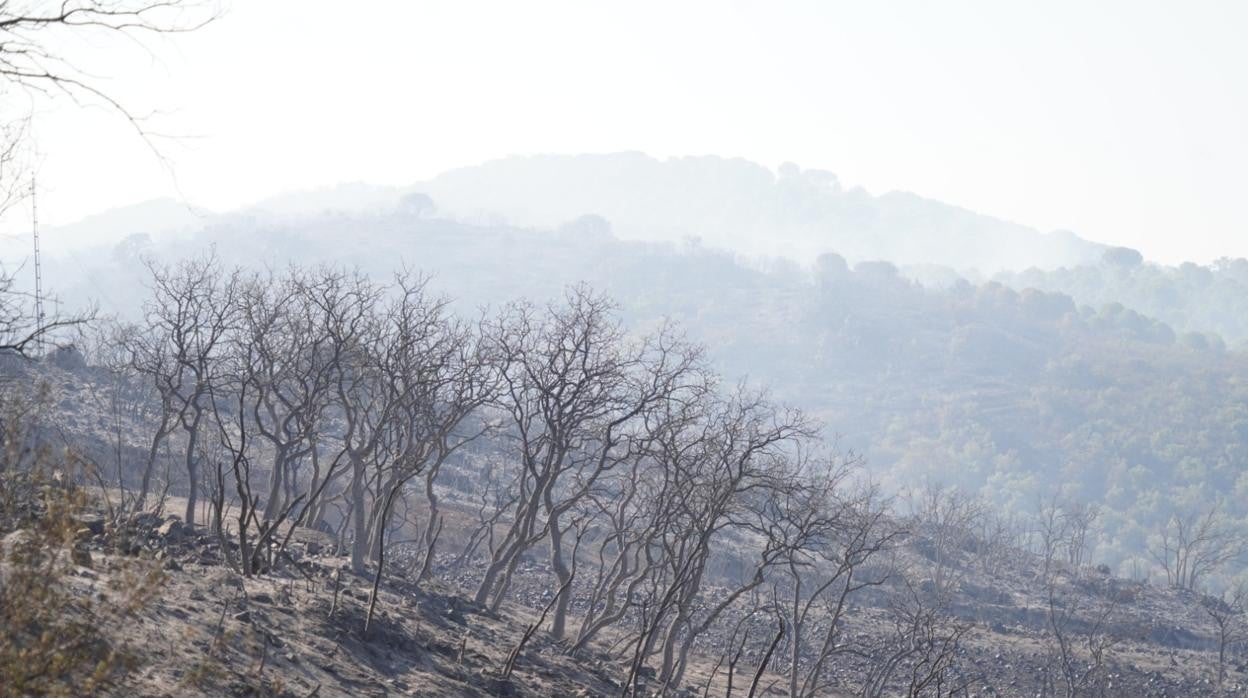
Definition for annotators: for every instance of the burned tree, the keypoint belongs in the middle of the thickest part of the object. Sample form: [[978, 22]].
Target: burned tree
[[728, 467], [849, 531], [576, 394], [1227, 612], [917, 655], [31, 31], [439, 375], [1195, 545], [944, 519], [191, 314]]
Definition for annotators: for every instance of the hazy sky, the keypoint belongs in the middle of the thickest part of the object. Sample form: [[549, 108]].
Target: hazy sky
[[1122, 121]]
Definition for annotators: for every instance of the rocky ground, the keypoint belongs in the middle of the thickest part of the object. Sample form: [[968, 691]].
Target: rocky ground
[[300, 632]]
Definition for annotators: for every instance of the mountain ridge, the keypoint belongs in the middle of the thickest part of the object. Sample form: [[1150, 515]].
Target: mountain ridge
[[727, 203]]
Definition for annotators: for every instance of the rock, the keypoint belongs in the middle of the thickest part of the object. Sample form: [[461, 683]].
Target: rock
[[172, 565], [172, 531], [312, 547], [67, 358], [94, 524], [15, 543], [243, 617], [262, 598], [81, 556]]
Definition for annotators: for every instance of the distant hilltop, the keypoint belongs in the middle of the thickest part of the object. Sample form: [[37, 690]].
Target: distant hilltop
[[742, 206]]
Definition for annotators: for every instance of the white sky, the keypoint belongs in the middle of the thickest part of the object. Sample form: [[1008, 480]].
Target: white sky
[[1123, 121]]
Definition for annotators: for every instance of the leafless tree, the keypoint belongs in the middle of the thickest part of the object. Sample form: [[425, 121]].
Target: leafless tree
[[34, 37], [1228, 612], [730, 470], [347, 306], [149, 361], [441, 375], [14, 181], [918, 655], [1051, 536], [944, 520], [1192, 546], [22, 333], [193, 310], [1080, 636], [578, 529], [997, 536], [824, 576], [33, 31], [122, 394], [338, 309], [1078, 617], [633, 515], [496, 496], [576, 393], [1080, 520], [286, 374]]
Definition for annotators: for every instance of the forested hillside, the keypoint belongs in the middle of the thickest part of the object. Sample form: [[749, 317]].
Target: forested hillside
[[1188, 297]]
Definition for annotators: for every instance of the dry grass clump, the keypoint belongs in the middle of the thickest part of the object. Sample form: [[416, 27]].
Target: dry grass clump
[[55, 610]]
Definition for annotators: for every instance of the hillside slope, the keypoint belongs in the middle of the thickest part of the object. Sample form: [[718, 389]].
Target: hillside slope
[[298, 630], [1011, 394]]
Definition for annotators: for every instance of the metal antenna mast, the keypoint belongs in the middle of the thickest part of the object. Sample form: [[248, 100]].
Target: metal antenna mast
[[34, 224]]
